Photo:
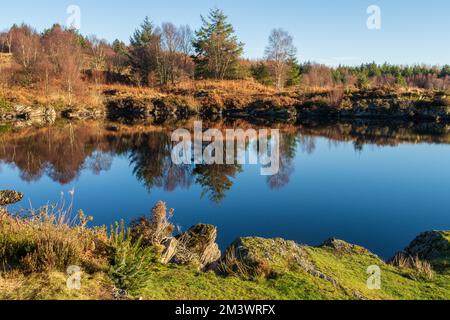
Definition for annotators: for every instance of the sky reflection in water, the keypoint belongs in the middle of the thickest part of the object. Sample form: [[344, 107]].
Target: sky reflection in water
[[372, 187]]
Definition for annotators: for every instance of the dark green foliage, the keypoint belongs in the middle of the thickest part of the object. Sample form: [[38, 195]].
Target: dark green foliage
[[261, 73], [143, 52], [119, 47], [130, 261], [363, 81], [217, 48], [293, 74]]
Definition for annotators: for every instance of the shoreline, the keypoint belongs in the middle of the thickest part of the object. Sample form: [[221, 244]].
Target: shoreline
[[223, 100], [260, 268]]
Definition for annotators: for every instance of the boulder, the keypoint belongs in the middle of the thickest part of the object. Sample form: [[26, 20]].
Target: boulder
[[198, 246], [343, 248], [251, 257], [8, 197], [36, 115], [432, 246]]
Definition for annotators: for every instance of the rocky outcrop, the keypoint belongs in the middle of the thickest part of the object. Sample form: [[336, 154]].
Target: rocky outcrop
[[265, 257], [197, 247], [378, 104], [432, 246], [129, 107], [84, 114], [8, 197], [343, 248], [42, 114]]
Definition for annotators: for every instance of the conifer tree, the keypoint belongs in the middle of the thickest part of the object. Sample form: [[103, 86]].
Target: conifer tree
[[217, 48]]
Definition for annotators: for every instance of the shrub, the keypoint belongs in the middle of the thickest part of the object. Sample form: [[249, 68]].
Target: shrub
[[335, 97], [130, 262], [44, 241]]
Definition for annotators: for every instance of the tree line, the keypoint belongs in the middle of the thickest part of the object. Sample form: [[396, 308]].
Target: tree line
[[166, 54]]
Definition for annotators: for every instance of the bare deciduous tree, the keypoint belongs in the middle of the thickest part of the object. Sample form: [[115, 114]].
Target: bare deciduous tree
[[65, 57], [174, 59], [25, 46], [170, 46], [99, 51], [279, 52]]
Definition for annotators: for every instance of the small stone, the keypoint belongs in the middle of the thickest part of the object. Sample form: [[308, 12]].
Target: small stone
[[8, 197]]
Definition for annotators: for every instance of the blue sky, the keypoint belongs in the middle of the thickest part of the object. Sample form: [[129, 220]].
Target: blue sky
[[325, 31]]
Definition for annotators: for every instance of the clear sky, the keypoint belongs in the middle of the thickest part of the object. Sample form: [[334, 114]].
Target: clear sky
[[325, 31]]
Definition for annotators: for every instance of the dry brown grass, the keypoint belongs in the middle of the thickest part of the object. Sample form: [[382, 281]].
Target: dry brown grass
[[48, 240], [5, 60], [157, 229], [231, 265], [18, 95], [126, 90], [229, 86], [420, 268]]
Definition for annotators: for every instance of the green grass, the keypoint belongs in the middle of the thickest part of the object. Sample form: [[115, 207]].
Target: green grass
[[52, 286], [5, 128], [185, 283], [397, 283], [292, 283], [34, 256], [5, 105]]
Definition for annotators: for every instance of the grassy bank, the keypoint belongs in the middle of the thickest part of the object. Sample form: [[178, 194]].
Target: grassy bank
[[117, 263], [241, 99]]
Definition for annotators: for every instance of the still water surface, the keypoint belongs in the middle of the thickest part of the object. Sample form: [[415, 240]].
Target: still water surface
[[377, 186]]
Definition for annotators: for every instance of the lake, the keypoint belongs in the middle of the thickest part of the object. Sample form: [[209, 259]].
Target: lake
[[374, 184]]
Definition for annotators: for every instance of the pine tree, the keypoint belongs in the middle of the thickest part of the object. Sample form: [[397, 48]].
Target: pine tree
[[217, 48], [143, 53], [293, 74]]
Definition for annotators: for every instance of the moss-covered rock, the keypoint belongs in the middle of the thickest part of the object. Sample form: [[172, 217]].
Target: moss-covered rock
[[268, 257], [342, 247], [432, 246]]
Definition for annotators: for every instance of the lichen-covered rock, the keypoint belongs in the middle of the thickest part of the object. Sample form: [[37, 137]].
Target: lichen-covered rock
[[342, 247], [198, 246], [432, 246], [263, 257], [8, 197], [35, 115]]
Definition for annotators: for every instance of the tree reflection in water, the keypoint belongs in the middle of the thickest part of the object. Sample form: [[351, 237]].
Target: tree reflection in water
[[63, 152]]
